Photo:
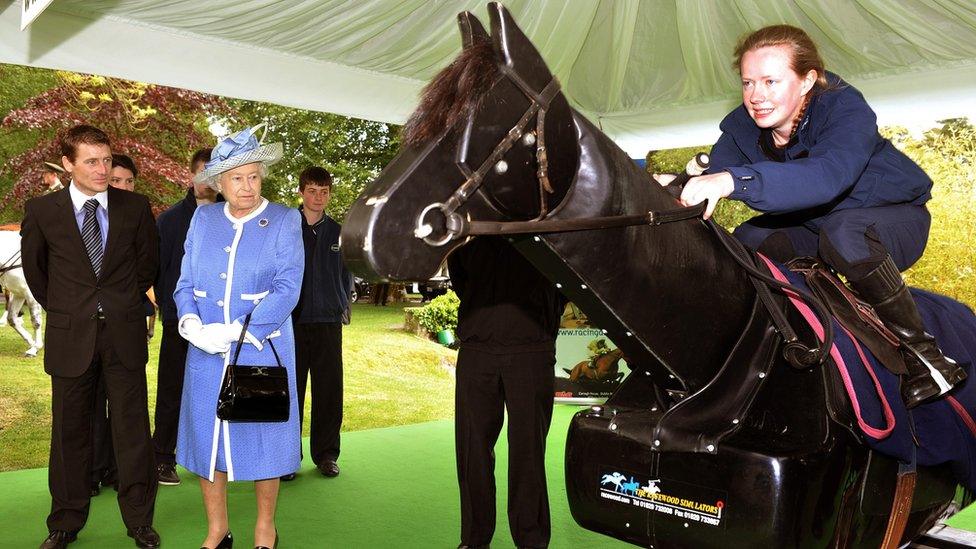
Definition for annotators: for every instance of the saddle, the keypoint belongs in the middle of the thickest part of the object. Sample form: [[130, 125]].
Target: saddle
[[851, 312]]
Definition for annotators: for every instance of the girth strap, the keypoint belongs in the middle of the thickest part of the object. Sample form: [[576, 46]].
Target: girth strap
[[901, 505]]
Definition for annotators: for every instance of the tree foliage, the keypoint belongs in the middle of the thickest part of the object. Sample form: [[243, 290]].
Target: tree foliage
[[353, 150], [19, 84], [158, 126], [948, 154]]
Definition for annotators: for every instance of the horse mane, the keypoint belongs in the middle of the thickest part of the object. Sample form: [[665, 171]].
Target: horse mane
[[455, 90]]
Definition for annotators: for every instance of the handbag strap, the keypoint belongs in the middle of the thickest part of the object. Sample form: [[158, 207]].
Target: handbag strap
[[240, 343]]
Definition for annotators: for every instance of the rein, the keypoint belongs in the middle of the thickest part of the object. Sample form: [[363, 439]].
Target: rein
[[464, 228], [12, 262]]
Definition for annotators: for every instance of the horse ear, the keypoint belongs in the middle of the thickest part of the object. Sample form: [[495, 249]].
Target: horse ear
[[514, 50], [471, 29]]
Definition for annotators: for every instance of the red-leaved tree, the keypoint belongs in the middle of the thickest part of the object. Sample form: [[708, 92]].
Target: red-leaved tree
[[158, 126]]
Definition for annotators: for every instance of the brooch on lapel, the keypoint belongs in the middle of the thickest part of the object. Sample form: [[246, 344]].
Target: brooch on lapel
[[263, 222]]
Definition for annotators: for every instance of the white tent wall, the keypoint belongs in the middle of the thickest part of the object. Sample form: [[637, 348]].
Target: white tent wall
[[652, 73], [112, 47]]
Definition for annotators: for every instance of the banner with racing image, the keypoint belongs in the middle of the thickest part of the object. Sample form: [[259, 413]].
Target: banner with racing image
[[589, 367]]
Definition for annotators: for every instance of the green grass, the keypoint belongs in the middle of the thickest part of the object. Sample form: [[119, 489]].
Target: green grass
[[390, 378]]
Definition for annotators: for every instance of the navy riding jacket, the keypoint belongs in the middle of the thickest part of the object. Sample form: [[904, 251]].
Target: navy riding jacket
[[837, 161], [327, 284]]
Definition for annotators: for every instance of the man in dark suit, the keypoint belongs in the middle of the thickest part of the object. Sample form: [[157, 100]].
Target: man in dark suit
[[89, 255]]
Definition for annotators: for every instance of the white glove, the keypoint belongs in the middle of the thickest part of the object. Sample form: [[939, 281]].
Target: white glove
[[228, 332], [203, 337], [216, 336]]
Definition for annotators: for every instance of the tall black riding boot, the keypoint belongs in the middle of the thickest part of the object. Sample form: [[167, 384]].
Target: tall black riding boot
[[886, 291]]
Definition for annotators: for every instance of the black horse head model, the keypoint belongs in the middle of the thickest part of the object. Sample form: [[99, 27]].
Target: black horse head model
[[397, 229], [713, 440]]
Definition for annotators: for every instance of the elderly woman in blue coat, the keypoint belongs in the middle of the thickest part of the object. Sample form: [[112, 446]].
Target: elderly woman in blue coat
[[244, 256], [804, 148]]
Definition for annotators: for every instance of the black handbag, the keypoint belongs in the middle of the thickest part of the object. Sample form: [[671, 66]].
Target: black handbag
[[253, 394]]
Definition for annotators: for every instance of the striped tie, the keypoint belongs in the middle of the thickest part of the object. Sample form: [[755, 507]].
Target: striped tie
[[91, 235]]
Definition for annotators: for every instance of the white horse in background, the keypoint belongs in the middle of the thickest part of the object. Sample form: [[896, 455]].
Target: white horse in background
[[13, 281]]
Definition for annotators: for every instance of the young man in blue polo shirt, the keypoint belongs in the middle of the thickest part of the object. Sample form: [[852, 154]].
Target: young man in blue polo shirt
[[318, 320]]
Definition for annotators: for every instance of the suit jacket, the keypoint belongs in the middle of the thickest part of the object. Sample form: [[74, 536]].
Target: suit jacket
[[61, 277]]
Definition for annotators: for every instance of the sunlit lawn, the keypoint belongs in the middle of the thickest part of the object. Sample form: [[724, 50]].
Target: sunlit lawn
[[391, 378]]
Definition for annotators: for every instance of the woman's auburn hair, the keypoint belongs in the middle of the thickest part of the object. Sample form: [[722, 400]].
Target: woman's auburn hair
[[804, 56]]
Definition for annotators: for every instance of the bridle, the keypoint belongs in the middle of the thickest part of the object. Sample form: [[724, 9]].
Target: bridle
[[459, 228], [12, 262], [455, 223]]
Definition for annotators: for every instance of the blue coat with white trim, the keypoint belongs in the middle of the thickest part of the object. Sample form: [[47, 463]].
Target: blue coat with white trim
[[839, 160], [233, 267]]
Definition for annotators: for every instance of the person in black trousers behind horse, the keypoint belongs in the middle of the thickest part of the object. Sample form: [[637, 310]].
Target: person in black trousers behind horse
[[507, 324], [804, 148], [173, 225]]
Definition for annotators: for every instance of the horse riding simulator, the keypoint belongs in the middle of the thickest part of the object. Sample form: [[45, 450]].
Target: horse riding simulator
[[752, 417], [588, 274]]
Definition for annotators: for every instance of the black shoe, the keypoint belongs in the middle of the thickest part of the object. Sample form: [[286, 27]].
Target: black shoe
[[919, 389], [329, 468], [885, 290], [58, 539], [146, 537], [95, 489], [166, 474], [289, 477], [226, 543]]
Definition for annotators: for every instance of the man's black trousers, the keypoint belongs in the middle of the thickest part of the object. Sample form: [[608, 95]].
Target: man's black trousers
[[488, 384], [103, 454], [169, 391], [318, 355], [71, 441]]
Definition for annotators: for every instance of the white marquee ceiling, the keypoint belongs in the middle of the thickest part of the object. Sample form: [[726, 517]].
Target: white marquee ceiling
[[652, 73]]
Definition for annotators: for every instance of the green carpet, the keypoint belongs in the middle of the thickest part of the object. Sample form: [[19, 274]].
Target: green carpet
[[397, 489]]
